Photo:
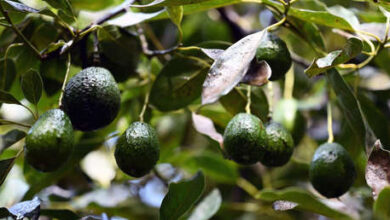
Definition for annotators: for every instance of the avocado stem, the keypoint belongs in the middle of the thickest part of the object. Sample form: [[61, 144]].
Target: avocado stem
[[249, 101], [330, 128]]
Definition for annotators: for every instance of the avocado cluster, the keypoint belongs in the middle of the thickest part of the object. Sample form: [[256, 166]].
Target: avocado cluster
[[91, 101], [247, 141]]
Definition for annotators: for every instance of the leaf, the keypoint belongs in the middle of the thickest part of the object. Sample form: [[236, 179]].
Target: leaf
[[348, 15], [206, 126], [348, 103], [8, 98], [21, 7], [178, 84], [65, 8], [27, 209], [304, 199], [258, 74], [176, 15], [181, 197], [208, 206], [10, 138], [353, 47], [214, 166], [381, 205], [212, 53], [5, 167], [132, 18], [32, 86], [229, 69], [235, 101], [8, 75], [377, 169]]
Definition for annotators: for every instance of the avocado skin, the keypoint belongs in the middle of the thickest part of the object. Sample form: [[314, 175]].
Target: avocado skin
[[332, 171], [49, 142], [138, 150], [280, 146], [275, 52], [91, 99], [244, 139]]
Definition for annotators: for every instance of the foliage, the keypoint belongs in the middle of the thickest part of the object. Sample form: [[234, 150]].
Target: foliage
[[187, 67]]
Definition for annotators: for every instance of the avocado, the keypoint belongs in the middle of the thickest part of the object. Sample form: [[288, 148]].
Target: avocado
[[244, 139], [137, 151], [275, 52], [279, 147], [332, 171], [49, 142], [91, 99]]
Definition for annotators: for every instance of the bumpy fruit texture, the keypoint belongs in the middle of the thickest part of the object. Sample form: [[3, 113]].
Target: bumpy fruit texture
[[279, 147], [286, 113], [49, 142], [138, 150], [91, 99], [275, 52], [244, 139], [332, 171]]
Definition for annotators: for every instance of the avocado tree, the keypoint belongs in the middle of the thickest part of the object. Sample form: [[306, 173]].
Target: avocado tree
[[194, 109]]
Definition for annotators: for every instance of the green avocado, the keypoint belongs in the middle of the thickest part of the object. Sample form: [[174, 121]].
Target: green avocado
[[138, 150], [280, 146], [91, 99], [332, 171], [286, 113], [275, 52], [49, 142], [244, 139]]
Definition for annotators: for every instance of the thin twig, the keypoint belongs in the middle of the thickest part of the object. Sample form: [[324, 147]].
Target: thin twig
[[144, 107], [68, 62], [330, 128], [248, 101]]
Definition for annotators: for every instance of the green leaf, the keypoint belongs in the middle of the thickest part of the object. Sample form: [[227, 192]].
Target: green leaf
[[229, 68], [181, 197], [7, 74], [208, 206], [304, 199], [348, 15], [32, 86], [8, 98], [64, 7], [179, 83], [348, 104], [159, 3], [176, 15], [353, 47], [93, 4], [11, 138], [381, 205], [5, 167], [235, 101], [214, 166], [131, 18]]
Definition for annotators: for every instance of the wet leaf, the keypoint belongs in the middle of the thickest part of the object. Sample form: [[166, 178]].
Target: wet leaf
[[208, 206], [32, 86], [206, 126], [229, 69], [353, 47], [181, 197], [377, 169]]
